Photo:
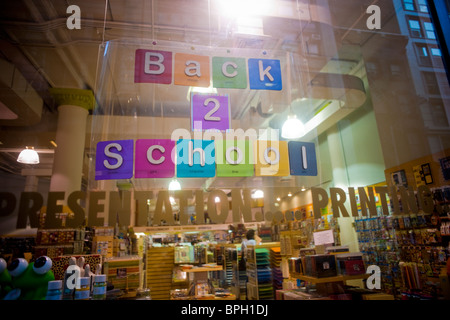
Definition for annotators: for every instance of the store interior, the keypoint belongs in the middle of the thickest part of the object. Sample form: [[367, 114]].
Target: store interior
[[349, 203]]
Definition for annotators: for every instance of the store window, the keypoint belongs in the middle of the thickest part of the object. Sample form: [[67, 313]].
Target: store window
[[236, 150]]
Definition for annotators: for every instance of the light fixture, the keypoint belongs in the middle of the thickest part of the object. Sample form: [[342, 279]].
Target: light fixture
[[28, 156], [289, 194], [292, 128], [174, 185], [216, 199], [303, 188], [278, 199], [258, 194]]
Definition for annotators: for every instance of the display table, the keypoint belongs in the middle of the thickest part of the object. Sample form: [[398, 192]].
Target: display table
[[199, 284], [338, 278], [329, 285]]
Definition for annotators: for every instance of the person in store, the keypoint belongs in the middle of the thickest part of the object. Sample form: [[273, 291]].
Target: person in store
[[249, 240]]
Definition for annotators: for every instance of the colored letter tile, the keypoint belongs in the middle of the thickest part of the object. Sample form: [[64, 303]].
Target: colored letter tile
[[229, 72], [272, 158], [153, 66], [211, 111], [191, 70], [234, 158], [195, 158], [114, 160], [153, 158], [265, 74], [302, 158]]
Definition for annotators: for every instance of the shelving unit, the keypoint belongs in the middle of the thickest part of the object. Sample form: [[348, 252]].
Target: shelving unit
[[160, 264], [259, 273], [275, 265], [199, 278], [124, 272]]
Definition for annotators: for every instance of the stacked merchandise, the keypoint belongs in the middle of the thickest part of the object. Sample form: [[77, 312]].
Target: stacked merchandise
[[275, 264], [160, 264], [54, 242], [264, 274], [265, 233], [123, 273], [409, 249], [11, 247], [242, 284], [229, 266], [320, 265], [378, 243], [219, 256]]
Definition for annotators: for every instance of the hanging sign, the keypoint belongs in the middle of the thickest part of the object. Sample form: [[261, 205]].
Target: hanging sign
[[210, 112], [161, 158], [156, 66]]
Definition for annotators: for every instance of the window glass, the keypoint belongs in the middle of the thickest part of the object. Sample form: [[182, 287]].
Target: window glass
[[429, 30], [409, 5], [436, 52]]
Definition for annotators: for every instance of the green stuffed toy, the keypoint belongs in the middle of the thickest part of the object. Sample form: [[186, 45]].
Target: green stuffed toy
[[5, 279], [31, 279]]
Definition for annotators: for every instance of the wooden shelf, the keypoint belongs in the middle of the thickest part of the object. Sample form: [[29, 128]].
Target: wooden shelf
[[204, 269], [339, 278]]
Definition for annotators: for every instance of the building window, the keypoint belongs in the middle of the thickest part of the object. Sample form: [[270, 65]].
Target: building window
[[414, 28], [436, 52], [431, 83], [423, 54], [423, 6], [409, 5], [429, 30], [438, 114]]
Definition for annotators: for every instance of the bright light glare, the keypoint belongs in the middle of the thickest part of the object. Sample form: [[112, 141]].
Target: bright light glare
[[292, 128], [258, 194], [28, 156], [245, 8], [174, 185]]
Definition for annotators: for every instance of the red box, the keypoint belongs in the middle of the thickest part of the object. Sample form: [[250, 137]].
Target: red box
[[350, 263]]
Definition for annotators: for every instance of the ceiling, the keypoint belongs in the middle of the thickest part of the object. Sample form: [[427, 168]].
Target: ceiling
[[37, 44]]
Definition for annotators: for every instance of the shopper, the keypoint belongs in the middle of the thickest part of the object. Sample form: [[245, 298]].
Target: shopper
[[250, 240]]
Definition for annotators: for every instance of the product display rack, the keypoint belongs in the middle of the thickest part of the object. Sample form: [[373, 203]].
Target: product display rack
[[160, 264], [259, 273], [275, 265], [57, 242], [410, 250], [124, 273]]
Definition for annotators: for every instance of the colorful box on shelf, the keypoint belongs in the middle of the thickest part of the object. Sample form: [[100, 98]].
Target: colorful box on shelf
[[350, 263], [320, 265]]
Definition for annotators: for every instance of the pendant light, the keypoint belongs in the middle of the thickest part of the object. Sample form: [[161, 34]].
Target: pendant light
[[174, 185], [292, 128], [28, 156]]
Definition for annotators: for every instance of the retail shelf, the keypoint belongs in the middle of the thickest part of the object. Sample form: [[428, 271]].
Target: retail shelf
[[204, 269], [339, 278]]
